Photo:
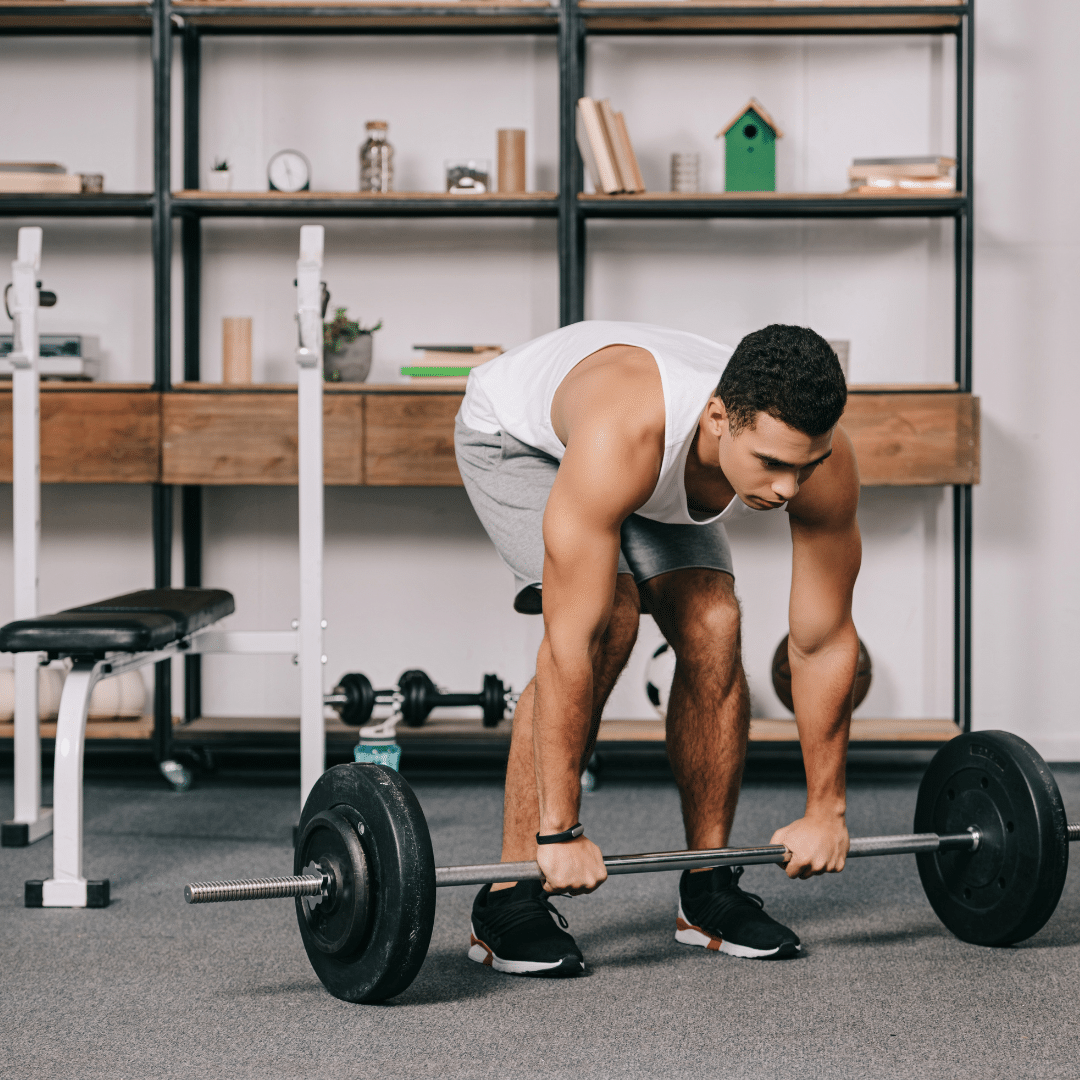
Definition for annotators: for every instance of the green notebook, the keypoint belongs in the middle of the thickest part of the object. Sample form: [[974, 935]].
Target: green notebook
[[435, 370]]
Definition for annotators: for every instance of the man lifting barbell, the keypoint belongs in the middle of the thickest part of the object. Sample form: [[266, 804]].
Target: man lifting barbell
[[603, 460]]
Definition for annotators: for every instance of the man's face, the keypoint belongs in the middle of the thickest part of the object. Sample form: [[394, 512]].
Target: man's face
[[767, 463]]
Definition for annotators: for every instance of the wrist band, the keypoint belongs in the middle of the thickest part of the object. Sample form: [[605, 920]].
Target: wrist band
[[562, 837]]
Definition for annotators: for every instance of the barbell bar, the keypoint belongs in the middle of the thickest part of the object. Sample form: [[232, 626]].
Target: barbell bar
[[990, 839], [271, 888]]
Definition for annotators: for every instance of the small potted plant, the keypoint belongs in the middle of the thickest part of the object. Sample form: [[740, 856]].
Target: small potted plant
[[347, 348], [220, 178]]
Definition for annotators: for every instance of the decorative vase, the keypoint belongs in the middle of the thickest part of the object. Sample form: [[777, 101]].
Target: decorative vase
[[351, 363], [219, 180]]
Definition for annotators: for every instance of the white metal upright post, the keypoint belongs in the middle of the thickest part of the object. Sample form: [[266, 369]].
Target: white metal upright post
[[310, 485], [31, 821]]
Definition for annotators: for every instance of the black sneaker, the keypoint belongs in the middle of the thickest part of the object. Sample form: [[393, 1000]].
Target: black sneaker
[[716, 914], [513, 930]]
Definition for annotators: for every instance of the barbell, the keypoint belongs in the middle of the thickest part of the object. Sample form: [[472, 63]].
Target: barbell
[[354, 698], [991, 843]]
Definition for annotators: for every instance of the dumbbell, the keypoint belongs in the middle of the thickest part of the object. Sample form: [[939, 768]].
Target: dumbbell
[[990, 839], [354, 699], [419, 695], [416, 695]]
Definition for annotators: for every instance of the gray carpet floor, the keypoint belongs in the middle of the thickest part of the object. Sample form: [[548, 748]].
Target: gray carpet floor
[[153, 988]]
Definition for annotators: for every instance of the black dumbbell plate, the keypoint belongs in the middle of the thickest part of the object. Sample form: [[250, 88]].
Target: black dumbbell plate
[[1005, 890], [371, 945]]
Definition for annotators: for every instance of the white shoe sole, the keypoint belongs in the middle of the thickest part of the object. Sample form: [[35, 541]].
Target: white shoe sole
[[688, 934], [479, 952]]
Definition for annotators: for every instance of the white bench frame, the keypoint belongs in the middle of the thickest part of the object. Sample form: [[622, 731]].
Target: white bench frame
[[68, 887]]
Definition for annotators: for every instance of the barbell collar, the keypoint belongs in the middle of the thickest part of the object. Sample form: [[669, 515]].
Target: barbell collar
[[273, 888]]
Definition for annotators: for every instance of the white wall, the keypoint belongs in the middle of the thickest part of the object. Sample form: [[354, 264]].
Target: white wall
[[413, 580]]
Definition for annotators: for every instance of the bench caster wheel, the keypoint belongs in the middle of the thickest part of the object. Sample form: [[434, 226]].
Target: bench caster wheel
[[179, 776]]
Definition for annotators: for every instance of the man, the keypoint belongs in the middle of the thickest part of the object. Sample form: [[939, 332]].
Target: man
[[603, 460]]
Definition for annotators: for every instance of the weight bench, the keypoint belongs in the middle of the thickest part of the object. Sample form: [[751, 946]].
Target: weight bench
[[107, 638]]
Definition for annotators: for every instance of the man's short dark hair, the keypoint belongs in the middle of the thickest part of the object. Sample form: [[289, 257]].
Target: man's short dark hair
[[789, 372]]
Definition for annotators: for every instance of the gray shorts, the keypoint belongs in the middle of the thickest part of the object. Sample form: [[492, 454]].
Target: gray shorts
[[508, 484]]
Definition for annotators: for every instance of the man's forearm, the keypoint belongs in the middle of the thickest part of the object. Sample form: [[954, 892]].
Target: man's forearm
[[821, 685], [561, 717]]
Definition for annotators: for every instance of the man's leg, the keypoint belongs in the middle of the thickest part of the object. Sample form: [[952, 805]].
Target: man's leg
[[708, 722], [521, 813], [708, 716]]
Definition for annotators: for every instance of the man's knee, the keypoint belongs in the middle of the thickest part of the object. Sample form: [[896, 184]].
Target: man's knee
[[709, 627]]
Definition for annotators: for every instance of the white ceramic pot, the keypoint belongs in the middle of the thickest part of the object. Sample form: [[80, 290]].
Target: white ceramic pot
[[219, 180]]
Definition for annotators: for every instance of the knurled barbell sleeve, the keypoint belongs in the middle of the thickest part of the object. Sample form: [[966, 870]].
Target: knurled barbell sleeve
[[272, 888]]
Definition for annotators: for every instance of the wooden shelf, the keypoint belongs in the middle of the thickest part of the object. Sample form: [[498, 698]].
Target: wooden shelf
[[770, 204], [758, 17], [92, 433], [393, 436], [356, 204], [442, 730], [905, 439], [785, 731], [72, 16], [465, 729], [141, 729], [318, 16]]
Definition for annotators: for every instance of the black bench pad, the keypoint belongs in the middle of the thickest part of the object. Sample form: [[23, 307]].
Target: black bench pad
[[136, 622]]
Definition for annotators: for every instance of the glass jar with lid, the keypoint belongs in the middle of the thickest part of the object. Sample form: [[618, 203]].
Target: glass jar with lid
[[376, 159]]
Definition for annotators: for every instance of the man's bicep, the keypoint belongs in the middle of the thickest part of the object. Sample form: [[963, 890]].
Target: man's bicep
[[581, 560], [594, 492]]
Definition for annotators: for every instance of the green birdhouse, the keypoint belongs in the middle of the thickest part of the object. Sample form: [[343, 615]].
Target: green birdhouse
[[750, 149]]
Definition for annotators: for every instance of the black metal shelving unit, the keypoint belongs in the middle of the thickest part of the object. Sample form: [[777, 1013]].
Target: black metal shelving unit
[[572, 22]]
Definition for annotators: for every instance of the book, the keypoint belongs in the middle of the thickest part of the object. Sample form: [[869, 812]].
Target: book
[[867, 168], [623, 151], [449, 365], [39, 183], [30, 167], [907, 185], [639, 180], [596, 149]]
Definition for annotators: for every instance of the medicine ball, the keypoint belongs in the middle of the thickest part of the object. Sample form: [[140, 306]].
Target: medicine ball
[[781, 674]]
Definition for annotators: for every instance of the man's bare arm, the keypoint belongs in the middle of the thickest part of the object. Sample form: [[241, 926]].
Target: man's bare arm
[[609, 469], [823, 651]]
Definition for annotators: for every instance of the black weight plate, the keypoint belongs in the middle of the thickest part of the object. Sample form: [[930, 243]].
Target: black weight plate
[[401, 879], [1005, 890], [493, 699], [361, 704], [330, 843], [418, 694]]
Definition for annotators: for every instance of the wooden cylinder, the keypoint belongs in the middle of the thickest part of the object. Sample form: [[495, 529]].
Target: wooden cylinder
[[511, 159], [236, 350]]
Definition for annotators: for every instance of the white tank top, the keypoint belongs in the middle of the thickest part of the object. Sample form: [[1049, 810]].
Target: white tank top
[[514, 392]]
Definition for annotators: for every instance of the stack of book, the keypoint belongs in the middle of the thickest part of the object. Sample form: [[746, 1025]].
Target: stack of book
[[902, 176], [606, 149], [37, 178], [449, 365]]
